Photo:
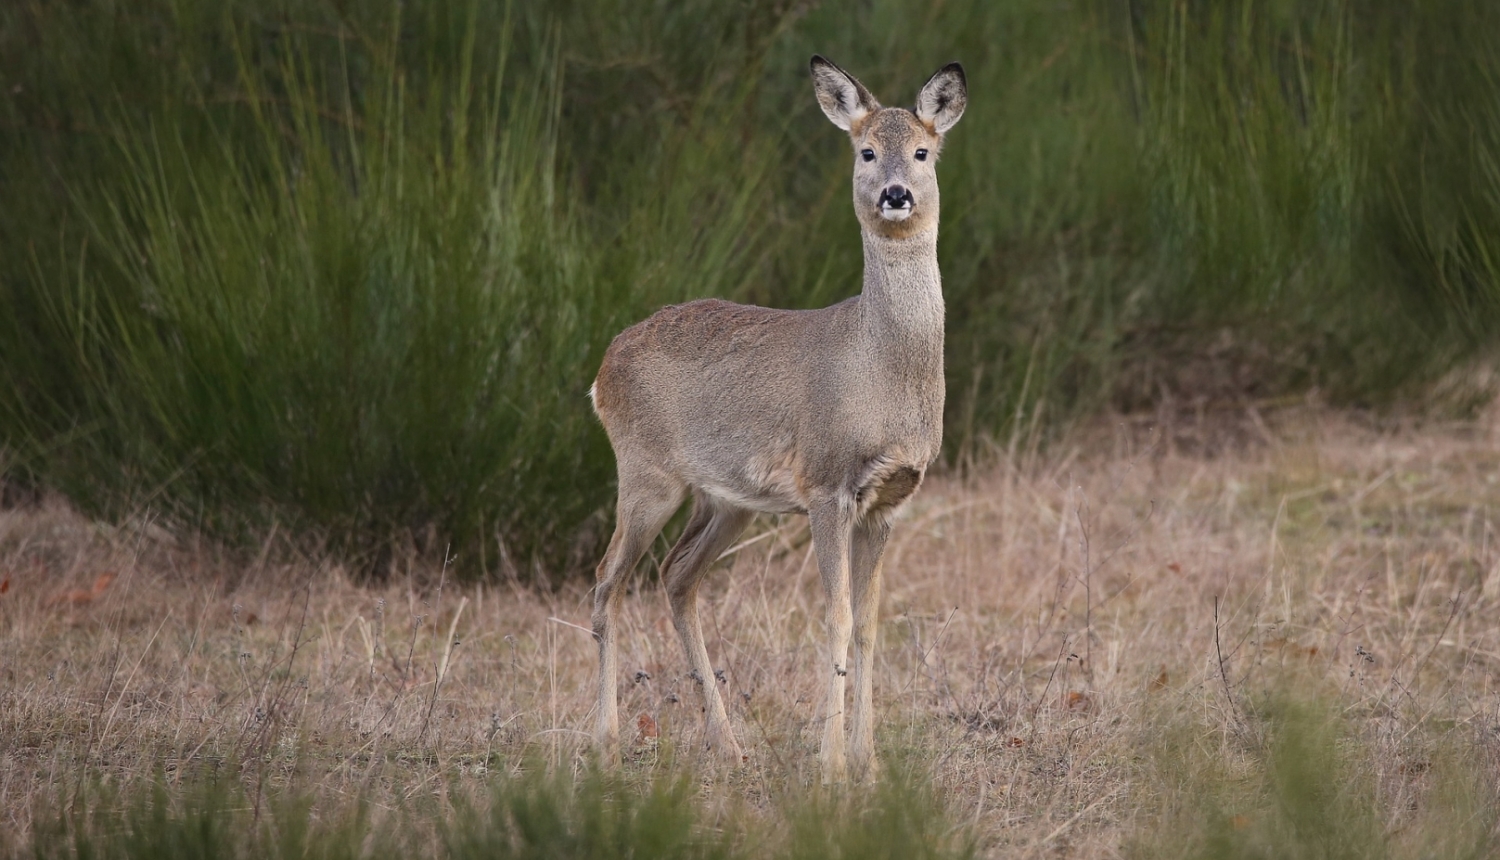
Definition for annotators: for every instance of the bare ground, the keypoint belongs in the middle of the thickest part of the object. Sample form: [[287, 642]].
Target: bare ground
[[1079, 646]]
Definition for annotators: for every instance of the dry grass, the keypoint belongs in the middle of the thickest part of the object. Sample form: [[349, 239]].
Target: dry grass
[[1086, 649]]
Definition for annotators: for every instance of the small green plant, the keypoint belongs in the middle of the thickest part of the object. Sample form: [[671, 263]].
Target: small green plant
[[597, 816], [897, 818], [1296, 779], [532, 814], [200, 820]]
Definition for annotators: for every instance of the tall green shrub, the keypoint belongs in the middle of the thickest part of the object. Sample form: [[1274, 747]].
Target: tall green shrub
[[350, 268]]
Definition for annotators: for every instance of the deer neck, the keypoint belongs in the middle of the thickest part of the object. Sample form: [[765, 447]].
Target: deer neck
[[902, 300]]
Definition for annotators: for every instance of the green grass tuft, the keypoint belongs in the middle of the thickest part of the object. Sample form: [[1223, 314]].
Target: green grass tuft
[[1294, 778], [535, 814]]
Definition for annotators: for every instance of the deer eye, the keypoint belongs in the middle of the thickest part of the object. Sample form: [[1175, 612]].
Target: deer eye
[[921, 155], [867, 154]]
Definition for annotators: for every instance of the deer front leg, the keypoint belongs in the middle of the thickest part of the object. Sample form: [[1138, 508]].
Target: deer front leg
[[865, 562], [831, 525]]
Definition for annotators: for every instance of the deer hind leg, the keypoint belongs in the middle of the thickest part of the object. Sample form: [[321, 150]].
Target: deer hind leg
[[832, 521], [866, 553], [645, 504], [710, 529]]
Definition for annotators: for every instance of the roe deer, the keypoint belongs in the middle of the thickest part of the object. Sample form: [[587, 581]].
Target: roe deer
[[835, 413]]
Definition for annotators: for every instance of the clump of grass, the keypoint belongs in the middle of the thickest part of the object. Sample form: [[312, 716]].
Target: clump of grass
[[1294, 777], [900, 817], [531, 814], [598, 816], [202, 818]]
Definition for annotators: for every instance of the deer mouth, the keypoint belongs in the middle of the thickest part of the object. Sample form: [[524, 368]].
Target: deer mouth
[[895, 213], [896, 203]]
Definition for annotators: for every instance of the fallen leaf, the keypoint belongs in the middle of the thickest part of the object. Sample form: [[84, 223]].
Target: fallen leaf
[[1076, 701], [1285, 645], [73, 596], [1239, 822], [4, 585], [1158, 683], [82, 596], [1174, 567], [645, 728]]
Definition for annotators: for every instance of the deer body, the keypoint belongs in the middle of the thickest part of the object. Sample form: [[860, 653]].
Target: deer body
[[835, 412]]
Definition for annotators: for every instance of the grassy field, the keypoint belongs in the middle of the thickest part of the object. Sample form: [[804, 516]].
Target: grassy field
[[345, 271], [299, 302], [1202, 635]]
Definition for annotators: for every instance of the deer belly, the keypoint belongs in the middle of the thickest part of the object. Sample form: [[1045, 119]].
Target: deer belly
[[766, 485]]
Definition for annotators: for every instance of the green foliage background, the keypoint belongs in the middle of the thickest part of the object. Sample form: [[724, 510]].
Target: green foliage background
[[347, 269]]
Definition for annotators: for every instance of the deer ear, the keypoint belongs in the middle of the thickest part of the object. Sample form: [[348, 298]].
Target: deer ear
[[943, 98], [844, 99]]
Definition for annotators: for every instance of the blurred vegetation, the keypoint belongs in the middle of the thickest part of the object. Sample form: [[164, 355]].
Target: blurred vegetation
[[346, 269], [529, 814], [1287, 776], [1295, 776]]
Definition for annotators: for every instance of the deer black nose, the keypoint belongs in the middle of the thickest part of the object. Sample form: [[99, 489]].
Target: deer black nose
[[896, 197]]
